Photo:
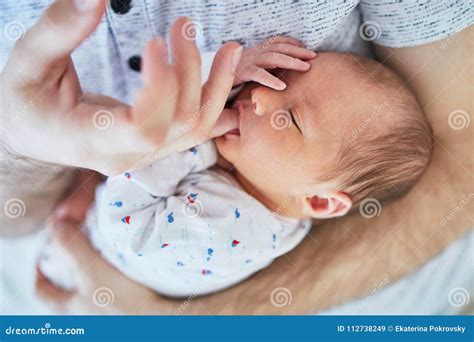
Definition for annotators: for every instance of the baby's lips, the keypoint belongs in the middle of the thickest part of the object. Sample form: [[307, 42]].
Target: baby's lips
[[228, 121]]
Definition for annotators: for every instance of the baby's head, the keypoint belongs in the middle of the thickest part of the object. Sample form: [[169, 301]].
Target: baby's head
[[346, 130]]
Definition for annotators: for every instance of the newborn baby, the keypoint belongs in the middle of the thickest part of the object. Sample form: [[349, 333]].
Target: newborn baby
[[205, 219]]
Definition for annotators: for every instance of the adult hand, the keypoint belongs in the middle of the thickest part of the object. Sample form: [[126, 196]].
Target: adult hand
[[46, 116], [100, 288]]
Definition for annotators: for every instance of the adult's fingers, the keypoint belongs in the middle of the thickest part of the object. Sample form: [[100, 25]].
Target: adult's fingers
[[155, 104], [228, 120], [51, 295], [218, 86], [92, 268], [76, 246], [48, 44], [187, 61], [65, 302], [93, 271], [155, 66]]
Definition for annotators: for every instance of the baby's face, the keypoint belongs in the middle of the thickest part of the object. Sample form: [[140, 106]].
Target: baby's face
[[287, 136]]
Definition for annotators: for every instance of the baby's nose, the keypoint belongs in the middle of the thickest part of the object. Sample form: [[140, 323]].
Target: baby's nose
[[244, 106], [259, 98]]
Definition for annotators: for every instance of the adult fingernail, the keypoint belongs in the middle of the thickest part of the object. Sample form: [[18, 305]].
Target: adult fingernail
[[86, 5], [305, 65], [234, 62]]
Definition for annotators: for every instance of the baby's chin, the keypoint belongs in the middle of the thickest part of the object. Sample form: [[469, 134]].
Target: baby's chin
[[222, 161], [225, 146]]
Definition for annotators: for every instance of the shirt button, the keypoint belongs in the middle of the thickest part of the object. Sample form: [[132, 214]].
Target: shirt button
[[135, 63], [121, 6]]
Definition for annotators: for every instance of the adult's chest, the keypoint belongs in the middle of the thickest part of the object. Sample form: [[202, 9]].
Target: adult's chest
[[109, 61]]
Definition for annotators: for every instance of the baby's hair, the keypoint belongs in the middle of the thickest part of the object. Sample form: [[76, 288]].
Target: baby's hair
[[383, 161]]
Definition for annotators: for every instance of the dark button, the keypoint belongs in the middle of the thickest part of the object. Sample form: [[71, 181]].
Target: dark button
[[121, 6], [135, 63]]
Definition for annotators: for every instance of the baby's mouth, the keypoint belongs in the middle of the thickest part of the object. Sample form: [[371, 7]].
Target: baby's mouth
[[228, 123], [238, 120]]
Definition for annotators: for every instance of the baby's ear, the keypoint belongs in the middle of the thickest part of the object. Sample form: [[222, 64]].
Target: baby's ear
[[327, 204]]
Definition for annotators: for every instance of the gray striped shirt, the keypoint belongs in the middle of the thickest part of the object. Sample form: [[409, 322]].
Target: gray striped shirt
[[103, 61]]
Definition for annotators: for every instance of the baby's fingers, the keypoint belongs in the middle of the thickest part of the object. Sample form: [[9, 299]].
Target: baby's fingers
[[291, 50], [283, 39], [270, 60], [263, 77]]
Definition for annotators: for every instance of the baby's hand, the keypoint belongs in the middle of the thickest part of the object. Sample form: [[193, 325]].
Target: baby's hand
[[276, 52]]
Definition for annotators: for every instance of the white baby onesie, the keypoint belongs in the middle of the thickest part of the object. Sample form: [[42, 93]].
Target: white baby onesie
[[183, 228]]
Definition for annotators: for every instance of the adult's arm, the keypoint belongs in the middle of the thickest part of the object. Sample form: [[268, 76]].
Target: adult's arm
[[29, 190], [348, 258], [46, 117]]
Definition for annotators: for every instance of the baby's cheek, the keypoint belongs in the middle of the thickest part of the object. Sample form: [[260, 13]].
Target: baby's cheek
[[227, 149], [260, 155]]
